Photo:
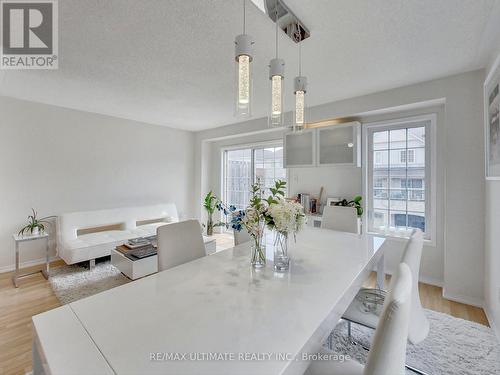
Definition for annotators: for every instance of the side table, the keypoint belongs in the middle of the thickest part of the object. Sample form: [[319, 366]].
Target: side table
[[18, 239]]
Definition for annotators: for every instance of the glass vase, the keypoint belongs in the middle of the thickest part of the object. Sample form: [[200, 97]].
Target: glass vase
[[281, 260], [210, 225], [258, 249]]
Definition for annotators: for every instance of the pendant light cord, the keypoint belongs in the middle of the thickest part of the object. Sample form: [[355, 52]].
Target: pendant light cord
[[300, 51], [297, 37], [244, 16], [276, 21]]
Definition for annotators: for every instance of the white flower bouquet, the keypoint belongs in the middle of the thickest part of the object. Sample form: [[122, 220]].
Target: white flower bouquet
[[275, 212], [285, 216]]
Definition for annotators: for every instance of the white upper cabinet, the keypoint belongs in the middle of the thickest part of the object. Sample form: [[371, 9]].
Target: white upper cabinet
[[339, 145], [300, 150], [335, 145]]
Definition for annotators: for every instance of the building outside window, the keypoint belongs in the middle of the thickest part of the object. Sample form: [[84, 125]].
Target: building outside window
[[398, 175]]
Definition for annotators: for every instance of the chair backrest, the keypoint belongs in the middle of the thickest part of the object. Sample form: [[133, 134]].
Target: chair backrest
[[388, 349], [419, 325], [344, 219], [241, 236], [179, 243]]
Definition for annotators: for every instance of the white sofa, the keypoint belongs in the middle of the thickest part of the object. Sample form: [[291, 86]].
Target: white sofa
[[119, 224]]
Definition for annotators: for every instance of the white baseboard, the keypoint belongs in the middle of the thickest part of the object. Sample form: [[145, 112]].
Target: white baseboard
[[468, 300], [491, 320], [28, 263], [422, 279], [431, 281]]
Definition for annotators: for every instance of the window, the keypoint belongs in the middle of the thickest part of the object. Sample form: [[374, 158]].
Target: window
[[379, 158], [380, 182], [407, 156], [398, 173], [242, 167]]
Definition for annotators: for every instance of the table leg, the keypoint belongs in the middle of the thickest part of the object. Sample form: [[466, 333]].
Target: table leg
[[381, 273], [45, 273], [16, 272]]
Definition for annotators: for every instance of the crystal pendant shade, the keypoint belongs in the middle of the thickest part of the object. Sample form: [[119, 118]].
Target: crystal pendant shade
[[276, 76], [243, 59], [244, 86], [299, 118]]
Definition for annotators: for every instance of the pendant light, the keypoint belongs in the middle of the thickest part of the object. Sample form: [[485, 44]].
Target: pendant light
[[276, 76], [300, 89], [243, 57]]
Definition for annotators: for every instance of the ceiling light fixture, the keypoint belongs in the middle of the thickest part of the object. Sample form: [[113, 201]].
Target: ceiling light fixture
[[300, 89], [243, 57], [276, 76]]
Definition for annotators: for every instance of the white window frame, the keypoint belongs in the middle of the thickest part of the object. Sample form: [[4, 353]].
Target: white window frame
[[252, 146], [430, 167]]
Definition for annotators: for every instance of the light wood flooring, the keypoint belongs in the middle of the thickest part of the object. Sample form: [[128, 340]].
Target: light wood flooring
[[34, 296]]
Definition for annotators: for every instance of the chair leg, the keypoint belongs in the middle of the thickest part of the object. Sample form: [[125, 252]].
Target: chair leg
[[91, 264], [416, 371], [351, 340]]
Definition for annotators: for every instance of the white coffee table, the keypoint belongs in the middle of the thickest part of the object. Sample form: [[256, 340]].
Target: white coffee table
[[135, 269], [210, 245]]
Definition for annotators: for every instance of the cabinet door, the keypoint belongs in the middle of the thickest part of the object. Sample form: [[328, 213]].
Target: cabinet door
[[299, 149], [339, 145]]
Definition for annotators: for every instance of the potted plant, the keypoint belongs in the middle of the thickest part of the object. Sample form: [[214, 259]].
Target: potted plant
[[355, 203], [210, 203], [35, 225]]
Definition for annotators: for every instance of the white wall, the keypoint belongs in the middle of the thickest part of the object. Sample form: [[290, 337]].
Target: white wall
[[492, 244], [60, 160], [457, 260]]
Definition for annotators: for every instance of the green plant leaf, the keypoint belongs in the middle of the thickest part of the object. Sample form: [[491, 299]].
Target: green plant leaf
[[210, 202]]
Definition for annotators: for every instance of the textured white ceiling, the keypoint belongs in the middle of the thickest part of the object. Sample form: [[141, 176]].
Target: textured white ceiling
[[170, 62]]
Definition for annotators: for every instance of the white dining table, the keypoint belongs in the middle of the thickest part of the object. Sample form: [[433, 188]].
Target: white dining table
[[214, 315]]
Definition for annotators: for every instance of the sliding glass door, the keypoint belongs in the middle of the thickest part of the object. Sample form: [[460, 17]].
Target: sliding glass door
[[268, 166], [237, 177], [244, 166]]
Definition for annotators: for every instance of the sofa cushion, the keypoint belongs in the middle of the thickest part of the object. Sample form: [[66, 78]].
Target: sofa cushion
[[93, 245], [146, 230]]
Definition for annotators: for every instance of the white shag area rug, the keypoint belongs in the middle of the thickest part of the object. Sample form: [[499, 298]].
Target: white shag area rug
[[453, 347], [73, 282]]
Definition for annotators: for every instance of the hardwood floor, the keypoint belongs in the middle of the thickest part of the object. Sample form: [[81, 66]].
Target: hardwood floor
[[35, 296], [17, 306], [432, 298]]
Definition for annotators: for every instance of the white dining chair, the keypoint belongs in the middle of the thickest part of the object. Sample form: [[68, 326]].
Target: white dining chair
[[241, 236], [179, 243], [343, 219], [419, 327], [388, 353]]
